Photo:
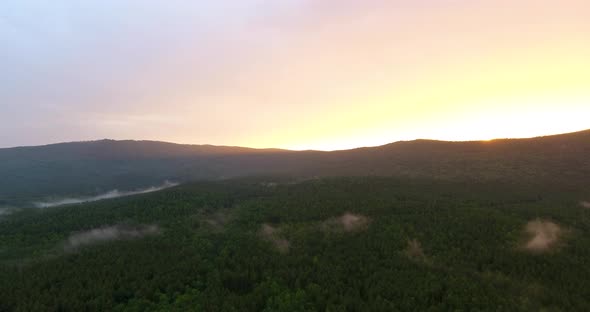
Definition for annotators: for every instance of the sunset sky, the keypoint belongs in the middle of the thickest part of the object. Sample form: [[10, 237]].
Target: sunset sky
[[298, 74]]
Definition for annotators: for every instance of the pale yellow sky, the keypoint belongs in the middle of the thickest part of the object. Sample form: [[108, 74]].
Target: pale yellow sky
[[298, 74]]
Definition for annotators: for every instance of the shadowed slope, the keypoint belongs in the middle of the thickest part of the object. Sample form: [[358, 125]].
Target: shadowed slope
[[94, 167]]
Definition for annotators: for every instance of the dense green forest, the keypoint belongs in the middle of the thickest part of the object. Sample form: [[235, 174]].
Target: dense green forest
[[326, 244]]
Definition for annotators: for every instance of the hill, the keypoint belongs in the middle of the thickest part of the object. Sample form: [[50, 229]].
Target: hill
[[90, 168], [409, 226]]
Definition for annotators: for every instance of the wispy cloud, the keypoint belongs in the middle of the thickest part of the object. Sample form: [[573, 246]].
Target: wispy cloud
[[107, 195]]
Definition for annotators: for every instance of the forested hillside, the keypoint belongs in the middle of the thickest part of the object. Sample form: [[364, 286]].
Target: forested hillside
[[336, 244], [411, 226], [90, 168]]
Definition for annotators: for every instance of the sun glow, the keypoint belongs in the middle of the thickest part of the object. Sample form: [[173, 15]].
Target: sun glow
[[523, 117], [515, 93], [296, 74]]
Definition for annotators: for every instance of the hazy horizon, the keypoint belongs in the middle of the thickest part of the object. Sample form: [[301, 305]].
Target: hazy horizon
[[271, 147]]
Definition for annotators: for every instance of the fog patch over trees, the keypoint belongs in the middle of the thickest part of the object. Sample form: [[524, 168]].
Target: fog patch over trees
[[213, 221], [109, 233], [107, 195], [347, 222], [543, 235], [272, 235], [219, 219], [414, 250], [6, 211]]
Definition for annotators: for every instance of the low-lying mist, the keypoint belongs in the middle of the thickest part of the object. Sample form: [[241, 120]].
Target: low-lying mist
[[414, 250], [109, 233], [107, 195], [271, 234], [543, 235], [347, 222], [6, 211]]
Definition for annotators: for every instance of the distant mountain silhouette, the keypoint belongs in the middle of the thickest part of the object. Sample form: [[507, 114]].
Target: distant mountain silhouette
[[64, 169]]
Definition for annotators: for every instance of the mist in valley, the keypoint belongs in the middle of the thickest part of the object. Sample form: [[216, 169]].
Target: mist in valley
[[108, 195]]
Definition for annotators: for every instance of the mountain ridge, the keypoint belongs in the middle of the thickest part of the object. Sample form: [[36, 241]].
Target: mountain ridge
[[273, 149], [90, 168]]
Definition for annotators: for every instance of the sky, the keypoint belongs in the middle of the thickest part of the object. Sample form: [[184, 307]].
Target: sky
[[297, 74]]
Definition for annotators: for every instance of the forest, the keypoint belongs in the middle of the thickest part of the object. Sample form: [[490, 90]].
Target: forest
[[294, 156], [323, 244]]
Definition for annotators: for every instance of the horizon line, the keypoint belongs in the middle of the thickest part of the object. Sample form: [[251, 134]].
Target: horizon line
[[294, 150]]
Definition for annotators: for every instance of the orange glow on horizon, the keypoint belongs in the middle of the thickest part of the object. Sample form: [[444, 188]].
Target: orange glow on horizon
[[296, 74]]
